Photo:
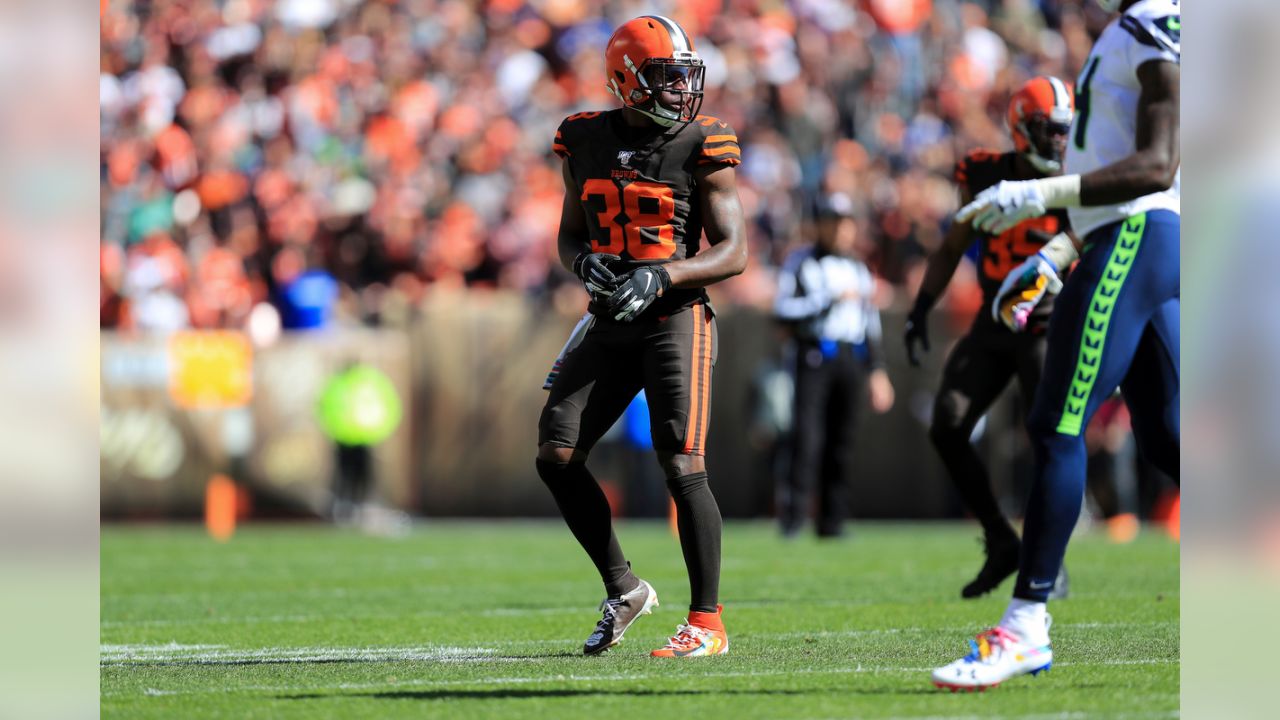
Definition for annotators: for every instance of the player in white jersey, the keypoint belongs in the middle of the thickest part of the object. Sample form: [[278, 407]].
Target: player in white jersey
[[1115, 320]]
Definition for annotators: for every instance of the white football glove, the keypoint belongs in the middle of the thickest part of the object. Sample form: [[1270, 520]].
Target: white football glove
[[1002, 206], [1022, 290]]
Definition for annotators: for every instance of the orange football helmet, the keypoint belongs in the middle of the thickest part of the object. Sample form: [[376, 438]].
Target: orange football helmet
[[654, 69], [1040, 115]]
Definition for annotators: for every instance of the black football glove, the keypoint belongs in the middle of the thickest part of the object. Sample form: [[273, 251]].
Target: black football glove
[[918, 327], [636, 292], [593, 270]]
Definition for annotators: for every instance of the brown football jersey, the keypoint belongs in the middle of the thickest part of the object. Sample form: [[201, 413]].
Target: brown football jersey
[[638, 187], [1000, 254]]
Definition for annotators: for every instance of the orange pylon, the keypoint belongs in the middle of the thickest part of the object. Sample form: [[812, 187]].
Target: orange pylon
[[220, 507]]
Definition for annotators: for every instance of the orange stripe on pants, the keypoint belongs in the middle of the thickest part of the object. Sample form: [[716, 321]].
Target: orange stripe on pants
[[691, 422], [705, 418]]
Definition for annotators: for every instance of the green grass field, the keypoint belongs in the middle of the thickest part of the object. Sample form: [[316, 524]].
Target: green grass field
[[480, 620]]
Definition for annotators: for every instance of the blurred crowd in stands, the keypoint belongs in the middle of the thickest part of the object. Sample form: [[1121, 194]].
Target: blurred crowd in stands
[[261, 156]]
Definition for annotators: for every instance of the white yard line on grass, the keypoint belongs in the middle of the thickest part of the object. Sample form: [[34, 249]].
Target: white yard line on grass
[[222, 655], [522, 680], [111, 650], [173, 652]]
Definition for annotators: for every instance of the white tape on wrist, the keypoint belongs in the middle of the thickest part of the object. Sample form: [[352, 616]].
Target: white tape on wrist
[[1060, 251], [1060, 192]]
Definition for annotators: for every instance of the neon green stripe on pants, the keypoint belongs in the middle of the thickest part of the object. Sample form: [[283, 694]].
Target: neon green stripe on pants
[[1094, 339]]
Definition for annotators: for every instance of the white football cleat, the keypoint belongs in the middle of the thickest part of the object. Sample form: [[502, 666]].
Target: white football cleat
[[997, 655]]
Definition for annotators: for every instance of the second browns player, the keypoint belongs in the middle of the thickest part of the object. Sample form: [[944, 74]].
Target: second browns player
[[642, 184], [984, 360]]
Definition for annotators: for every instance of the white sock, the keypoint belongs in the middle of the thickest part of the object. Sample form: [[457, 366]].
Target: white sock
[[1028, 619]]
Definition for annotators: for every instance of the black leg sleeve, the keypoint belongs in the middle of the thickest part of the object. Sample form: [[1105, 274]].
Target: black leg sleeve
[[698, 519], [586, 512], [975, 375]]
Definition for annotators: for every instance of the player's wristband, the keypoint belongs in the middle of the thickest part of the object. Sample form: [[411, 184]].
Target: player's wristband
[[1059, 192], [1059, 252]]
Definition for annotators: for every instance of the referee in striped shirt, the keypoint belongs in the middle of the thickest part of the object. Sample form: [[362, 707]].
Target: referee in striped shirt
[[826, 295]]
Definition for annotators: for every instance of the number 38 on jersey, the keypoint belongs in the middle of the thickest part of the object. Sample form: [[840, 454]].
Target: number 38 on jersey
[[636, 215], [638, 194]]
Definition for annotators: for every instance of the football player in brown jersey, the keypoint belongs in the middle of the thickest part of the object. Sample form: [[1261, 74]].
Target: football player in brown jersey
[[643, 182], [984, 360]]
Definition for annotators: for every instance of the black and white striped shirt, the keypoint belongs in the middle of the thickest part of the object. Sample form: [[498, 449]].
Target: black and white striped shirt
[[809, 290]]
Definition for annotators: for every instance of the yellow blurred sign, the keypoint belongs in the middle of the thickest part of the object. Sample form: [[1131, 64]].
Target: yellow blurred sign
[[212, 369]]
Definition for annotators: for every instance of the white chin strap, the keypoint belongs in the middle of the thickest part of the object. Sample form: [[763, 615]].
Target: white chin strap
[[1044, 165]]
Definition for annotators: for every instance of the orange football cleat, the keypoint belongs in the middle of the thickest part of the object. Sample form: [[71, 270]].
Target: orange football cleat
[[702, 634]]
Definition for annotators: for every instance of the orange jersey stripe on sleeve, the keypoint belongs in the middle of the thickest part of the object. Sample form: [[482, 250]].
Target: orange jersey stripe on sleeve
[[724, 150]]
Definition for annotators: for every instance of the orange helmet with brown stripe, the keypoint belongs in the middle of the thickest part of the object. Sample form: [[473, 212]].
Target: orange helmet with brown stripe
[[654, 70], [1040, 115]]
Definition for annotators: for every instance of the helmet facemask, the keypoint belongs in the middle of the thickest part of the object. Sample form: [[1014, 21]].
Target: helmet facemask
[[1046, 142], [670, 89]]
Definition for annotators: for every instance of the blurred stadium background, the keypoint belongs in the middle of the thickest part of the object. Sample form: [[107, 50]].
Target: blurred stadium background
[[292, 187]]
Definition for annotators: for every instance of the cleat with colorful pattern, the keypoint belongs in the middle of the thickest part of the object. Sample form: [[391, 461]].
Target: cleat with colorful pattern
[[995, 656], [701, 635]]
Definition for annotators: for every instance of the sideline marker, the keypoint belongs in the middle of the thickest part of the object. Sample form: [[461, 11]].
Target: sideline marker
[[220, 507]]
